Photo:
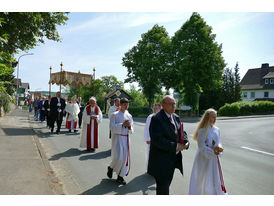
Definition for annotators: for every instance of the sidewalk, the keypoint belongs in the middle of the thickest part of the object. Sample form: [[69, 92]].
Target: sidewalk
[[24, 170]]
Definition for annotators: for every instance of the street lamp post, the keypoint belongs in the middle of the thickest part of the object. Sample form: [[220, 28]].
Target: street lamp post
[[94, 81], [50, 68], [17, 85], [61, 77]]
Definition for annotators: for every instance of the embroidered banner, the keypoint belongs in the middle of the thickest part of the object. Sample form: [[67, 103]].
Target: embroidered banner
[[71, 78]]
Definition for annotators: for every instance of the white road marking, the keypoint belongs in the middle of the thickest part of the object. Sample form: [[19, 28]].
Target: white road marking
[[254, 150]]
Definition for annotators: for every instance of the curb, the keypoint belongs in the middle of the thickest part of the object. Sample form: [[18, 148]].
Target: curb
[[52, 179]]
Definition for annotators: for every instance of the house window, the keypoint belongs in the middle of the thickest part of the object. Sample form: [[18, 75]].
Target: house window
[[266, 94], [245, 94], [271, 81], [252, 94], [266, 81]]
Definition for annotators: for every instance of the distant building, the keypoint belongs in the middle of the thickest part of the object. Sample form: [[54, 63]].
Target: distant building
[[118, 93], [23, 91], [258, 84]]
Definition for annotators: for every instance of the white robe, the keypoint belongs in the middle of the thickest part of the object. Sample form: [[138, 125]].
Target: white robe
[[147, 136], [72, 115], [120, 150], [205, 178], [86, 121], [111, 110]]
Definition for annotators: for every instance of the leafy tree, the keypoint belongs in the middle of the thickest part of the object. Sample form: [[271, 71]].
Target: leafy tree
[[138, 98], [24, 30], [6, 73], [147, 61], [197, 63], [102, 86], [110, 83]]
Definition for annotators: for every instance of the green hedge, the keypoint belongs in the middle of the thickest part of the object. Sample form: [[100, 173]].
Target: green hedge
[[247, 108], [139, 111]]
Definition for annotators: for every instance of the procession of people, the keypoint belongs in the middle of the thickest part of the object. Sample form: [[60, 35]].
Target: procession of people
[[164, 138]]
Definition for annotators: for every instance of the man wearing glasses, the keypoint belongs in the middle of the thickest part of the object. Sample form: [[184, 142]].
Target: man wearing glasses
[[167, 142]]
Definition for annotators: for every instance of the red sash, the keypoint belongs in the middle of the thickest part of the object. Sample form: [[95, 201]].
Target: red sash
[[128, 153], [221, 175], [95, 134]]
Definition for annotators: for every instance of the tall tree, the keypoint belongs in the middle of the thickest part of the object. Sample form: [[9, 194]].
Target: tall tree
[[146, 61], [197, 62], [237, 89]]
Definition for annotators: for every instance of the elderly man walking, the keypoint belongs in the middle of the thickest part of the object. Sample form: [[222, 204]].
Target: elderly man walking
[[92, 117], [167, 142]]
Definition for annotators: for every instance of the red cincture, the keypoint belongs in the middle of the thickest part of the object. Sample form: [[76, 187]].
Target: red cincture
[[221, 175], [95, 135], [128, 154]]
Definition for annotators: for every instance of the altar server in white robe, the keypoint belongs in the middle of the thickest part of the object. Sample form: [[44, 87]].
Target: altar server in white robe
[[92, 117], [156, 109], [121, 126], [206, 177], [114, 108], [72, 109]]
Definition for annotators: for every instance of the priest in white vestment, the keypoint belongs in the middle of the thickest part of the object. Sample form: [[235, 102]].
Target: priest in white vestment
[[121, 126], [92, 117], [72, 109], [206, 177], [156, 108], [115, 107]]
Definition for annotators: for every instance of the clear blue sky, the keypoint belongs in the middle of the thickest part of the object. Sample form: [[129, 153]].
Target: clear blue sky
[[100, 39]]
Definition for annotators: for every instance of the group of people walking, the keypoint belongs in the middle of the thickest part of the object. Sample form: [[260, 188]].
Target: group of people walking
[[164, 136]]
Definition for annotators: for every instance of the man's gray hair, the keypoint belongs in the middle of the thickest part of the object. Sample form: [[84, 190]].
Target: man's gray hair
[[167, 97], [92, 98]]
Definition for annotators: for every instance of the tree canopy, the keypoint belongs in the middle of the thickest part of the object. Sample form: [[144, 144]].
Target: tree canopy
[[23, 31], [197, 61], [147, 61]]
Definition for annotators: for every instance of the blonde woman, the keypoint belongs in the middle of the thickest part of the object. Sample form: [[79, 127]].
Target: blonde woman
[[206, 176]]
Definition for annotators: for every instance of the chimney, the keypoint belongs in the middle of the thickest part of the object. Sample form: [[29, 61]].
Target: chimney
[[265, 66]]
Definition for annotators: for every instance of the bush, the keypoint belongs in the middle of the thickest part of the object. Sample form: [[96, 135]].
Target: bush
[[140, 111], [247, 108], [5, 101]]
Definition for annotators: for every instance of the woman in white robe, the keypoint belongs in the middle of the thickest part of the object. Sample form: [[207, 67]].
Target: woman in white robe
[[156, 108], [205, 177]]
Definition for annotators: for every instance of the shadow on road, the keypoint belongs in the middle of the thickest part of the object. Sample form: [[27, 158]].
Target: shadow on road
[[141, 183], [18, 131], [69, 153], [99, 155]]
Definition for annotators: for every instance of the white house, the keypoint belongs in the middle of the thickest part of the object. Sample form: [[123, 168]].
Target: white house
[[258, 84]]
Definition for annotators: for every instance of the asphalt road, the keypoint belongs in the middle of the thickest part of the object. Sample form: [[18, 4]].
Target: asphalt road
[[247, 161]]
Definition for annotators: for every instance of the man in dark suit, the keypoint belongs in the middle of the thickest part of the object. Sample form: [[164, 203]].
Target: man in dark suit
[[167, 142], [47, 110], [57, 106]]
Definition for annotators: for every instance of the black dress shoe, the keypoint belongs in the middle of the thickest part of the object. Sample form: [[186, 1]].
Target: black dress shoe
[[70, 130], [57, 132], [75, 131], [109, 173], [121, 180]]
